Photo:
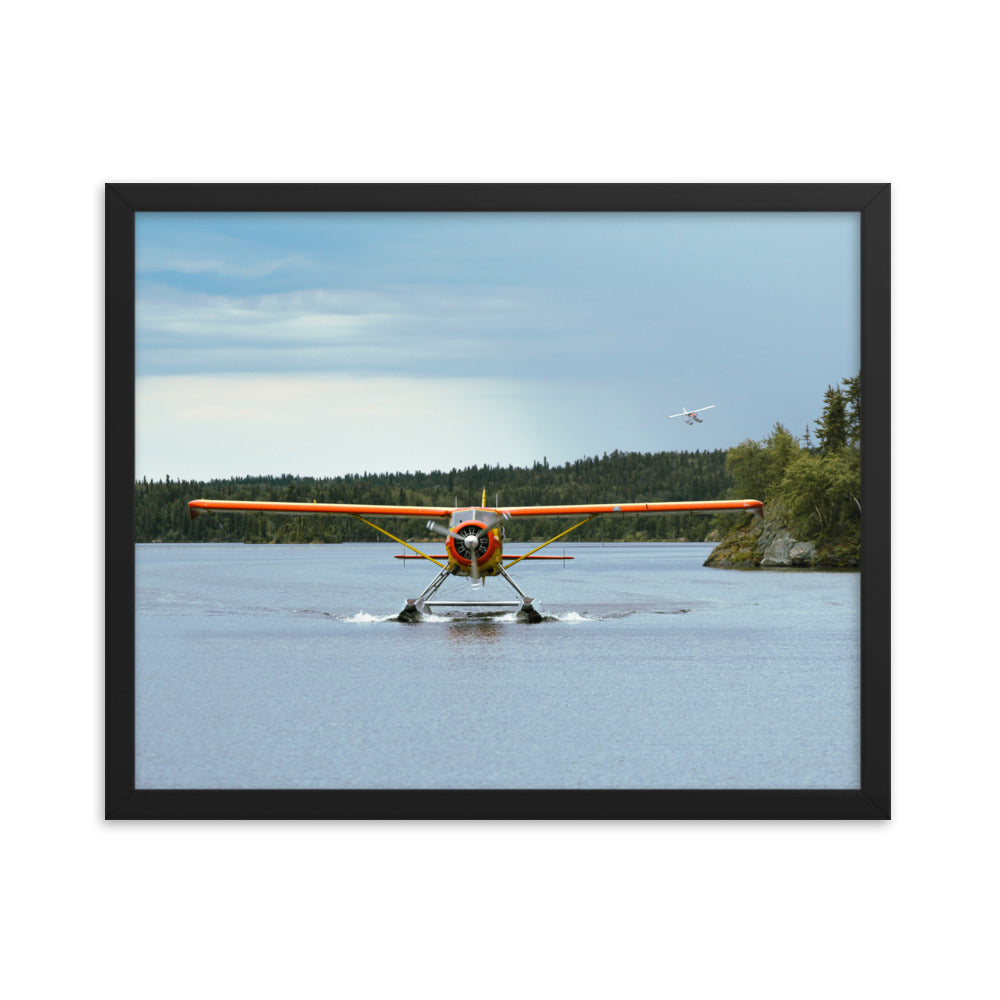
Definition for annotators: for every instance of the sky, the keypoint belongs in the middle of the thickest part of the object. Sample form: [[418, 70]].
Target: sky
[[321, 344]]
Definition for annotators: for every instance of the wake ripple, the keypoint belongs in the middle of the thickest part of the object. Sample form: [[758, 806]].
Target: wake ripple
[[364, 618]]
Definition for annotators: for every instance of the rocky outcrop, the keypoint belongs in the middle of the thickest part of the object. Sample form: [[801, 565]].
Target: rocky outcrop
[[787, 551], [762, 543]]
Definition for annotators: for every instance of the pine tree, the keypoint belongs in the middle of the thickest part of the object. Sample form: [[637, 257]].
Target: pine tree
[[852, 400], [831, 428]]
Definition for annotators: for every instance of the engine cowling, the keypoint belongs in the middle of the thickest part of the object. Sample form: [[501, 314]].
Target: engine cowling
[[478, 534]]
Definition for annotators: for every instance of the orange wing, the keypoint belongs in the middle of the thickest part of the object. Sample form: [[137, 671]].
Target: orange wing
[[196, 507], [672, 507]]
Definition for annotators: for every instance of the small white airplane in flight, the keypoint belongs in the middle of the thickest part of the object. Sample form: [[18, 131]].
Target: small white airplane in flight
[[691, 416]]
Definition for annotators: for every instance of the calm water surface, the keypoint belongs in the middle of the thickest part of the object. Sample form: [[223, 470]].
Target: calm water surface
[[281, 666]]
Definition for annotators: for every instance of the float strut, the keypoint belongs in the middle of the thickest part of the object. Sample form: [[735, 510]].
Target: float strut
[[527, 608], [414, 606]]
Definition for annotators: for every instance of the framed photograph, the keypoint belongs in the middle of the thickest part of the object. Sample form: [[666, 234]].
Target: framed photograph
[[497, 501]]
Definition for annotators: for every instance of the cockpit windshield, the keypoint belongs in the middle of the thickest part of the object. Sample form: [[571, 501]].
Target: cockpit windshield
[[472, 514]]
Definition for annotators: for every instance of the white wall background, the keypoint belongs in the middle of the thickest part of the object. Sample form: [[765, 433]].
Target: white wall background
[[521, 91]]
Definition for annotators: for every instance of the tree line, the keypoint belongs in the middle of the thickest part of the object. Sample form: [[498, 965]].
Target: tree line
[[161, 512]]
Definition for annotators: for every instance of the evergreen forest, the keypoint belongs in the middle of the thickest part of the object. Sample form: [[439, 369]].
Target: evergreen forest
[[161, 513]]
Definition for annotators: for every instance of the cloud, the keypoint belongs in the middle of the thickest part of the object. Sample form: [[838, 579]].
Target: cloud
[[401, 330], [160, 262]]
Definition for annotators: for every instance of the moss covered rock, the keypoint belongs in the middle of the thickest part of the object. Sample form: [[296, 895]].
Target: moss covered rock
[[769, 543]]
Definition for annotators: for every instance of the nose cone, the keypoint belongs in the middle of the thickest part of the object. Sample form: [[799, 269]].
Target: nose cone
[[471, 542]]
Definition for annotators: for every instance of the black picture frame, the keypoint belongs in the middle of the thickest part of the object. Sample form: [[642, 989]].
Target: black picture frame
[[124, 801]]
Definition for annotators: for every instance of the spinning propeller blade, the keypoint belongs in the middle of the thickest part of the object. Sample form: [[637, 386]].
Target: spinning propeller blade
[[431, 526]]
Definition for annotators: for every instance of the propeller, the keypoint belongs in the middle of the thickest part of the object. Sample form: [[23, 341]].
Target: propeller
[[473, 539], [432, 526]]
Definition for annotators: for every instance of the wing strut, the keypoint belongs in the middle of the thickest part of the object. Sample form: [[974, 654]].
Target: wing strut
[[400, 540], [551, 540]]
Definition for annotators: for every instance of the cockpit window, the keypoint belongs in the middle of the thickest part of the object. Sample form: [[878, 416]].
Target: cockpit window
[[472, 514]]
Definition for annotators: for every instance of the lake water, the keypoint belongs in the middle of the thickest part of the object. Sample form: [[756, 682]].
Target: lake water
[[282, 666]]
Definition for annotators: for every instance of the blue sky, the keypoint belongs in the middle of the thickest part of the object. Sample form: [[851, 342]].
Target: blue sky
[[324, 344]]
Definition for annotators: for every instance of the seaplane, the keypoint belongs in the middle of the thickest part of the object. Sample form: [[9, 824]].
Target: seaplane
[[474, 538], [691, 416]]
